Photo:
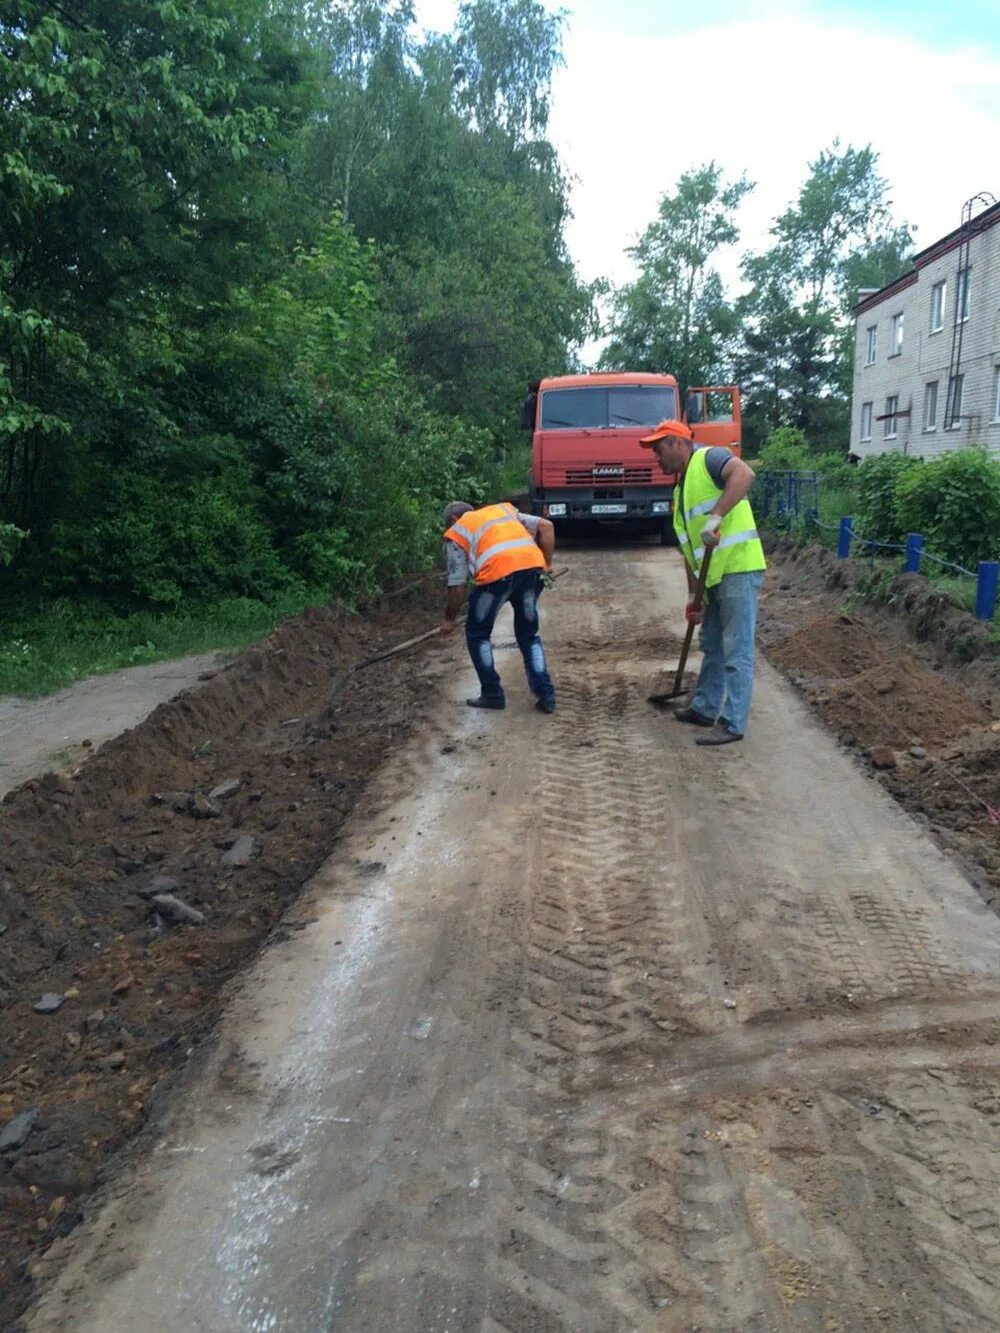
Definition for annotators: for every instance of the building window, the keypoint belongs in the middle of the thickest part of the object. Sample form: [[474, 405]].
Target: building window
[[866, 418], [891, 408], [939, 293], [962, 295], [930, 405], [996, 396], [871, 345], [897, 335], [953, 409]]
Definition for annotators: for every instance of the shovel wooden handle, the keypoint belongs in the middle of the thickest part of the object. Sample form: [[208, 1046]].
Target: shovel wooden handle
[[383, 656], [697, 604]]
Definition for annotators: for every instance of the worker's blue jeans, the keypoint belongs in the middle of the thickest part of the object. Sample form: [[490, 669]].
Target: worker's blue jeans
[[725, 684], [522, 589]]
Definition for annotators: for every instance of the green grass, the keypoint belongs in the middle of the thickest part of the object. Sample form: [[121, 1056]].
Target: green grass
[[56, 643]]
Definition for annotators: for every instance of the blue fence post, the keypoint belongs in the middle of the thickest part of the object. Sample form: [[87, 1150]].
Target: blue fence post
[[986, 589], [914, 550], [782, 511], [845, 538]]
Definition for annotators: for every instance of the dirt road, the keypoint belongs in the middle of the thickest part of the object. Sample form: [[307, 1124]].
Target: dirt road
[[38, 735], [585, 1029]]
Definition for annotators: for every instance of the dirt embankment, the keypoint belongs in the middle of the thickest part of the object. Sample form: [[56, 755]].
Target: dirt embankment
[[912, 686], [133, 888]]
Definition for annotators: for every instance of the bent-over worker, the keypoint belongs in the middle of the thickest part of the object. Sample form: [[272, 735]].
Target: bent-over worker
[[505, 553], [711, 511]]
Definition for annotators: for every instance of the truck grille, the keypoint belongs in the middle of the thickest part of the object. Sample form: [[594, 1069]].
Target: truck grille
[[609, 474]]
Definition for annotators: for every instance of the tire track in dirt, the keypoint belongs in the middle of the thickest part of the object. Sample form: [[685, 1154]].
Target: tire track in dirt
[[652, 1214]]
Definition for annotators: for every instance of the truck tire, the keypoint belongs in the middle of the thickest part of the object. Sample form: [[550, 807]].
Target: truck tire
[[668, 537]]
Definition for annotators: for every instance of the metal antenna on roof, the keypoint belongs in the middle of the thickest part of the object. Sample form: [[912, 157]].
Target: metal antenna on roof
[[953, 401]]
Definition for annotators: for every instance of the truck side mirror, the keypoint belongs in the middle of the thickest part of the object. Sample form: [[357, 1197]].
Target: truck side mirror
[[528, 411], [693, 408]]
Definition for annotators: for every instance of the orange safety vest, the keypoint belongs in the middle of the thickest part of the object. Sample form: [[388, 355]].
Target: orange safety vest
[[496, 543]]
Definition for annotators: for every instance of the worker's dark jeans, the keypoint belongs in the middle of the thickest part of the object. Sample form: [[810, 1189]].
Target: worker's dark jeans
[[522, 589]]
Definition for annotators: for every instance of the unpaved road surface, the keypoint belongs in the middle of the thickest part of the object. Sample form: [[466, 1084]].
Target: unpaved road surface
[[38, 735], [585, 1029]]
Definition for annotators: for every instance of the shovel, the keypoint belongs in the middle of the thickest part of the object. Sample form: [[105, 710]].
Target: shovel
[[383, 656], [345, 676], [697, 604]]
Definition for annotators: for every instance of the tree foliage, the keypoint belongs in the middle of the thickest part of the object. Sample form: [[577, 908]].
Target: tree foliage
[[272, 277], [796, 358], [675, 317], [787, 337]]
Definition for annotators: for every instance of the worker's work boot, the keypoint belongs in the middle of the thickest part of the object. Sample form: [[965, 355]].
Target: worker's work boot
[[546, 703], [494, 701], [719, 735], [695, 719]]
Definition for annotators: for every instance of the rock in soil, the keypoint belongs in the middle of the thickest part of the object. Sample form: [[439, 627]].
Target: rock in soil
[[240, 853], [15, 1134], [50, 1003], [176, 800], [176, 909], [882, 756], [228, 788], [203, 808]]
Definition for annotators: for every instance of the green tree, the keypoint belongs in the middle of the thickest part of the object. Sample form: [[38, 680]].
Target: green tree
[[506, 54], [795, 356], [675, 316], [367, 53], [141, 174]]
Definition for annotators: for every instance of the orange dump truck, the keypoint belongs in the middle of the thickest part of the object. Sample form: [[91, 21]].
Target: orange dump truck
[[586, 461]]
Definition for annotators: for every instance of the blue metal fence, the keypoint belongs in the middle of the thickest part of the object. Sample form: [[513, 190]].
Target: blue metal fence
[[792, 499]]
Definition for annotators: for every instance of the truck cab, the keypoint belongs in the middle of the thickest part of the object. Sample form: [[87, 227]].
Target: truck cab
[[586, 460]]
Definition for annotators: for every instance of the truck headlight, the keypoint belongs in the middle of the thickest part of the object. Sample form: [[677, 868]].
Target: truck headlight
[[661, 506], [556, 511]]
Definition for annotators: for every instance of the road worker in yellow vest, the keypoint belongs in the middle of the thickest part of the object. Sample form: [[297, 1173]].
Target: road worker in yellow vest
[[711, 511], [505, 554]]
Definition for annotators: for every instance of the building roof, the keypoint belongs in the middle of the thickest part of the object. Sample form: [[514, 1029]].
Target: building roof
[[981, 222]]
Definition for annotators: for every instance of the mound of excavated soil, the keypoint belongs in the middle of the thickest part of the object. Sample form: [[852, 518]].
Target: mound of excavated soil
[[895, 690], [846, 672], [81, 857]]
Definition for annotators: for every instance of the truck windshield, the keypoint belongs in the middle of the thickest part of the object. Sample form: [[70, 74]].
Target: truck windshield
[[606, 408]]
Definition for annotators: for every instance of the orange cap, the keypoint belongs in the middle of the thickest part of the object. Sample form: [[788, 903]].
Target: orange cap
[[675, 428]]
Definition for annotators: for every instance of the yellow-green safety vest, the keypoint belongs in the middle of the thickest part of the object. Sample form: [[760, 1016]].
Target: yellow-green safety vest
[[739, 550]]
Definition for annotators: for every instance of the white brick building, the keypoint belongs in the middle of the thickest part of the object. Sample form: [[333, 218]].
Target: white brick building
[[931, 336]]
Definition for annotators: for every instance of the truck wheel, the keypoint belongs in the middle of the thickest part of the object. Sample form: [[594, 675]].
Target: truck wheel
[[668, 537]]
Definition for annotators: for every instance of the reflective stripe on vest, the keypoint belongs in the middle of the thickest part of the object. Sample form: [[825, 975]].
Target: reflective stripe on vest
[[733, 539], [495, 542], [738, 550]]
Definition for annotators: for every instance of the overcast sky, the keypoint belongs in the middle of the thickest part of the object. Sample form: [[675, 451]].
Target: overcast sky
[[649, 89]]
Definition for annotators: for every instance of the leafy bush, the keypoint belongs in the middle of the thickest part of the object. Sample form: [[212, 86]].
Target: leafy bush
[[158, 540], [878, 481], [787, 450], [835, 472], [955, 502]]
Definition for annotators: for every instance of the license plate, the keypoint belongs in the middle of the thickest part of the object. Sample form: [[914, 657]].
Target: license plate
[[609, 509]]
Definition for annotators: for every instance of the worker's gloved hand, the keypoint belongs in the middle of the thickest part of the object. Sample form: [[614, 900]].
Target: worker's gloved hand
[[710, 532], [548, 578], [693, 615]]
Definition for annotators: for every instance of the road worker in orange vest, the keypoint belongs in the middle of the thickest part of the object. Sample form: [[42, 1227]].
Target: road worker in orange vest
[[505, 553]]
